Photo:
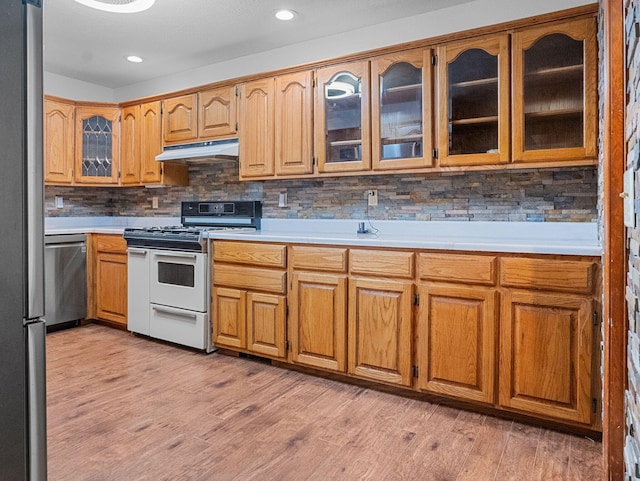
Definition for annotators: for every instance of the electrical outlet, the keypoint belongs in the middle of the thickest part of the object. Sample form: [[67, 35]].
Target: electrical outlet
[[372, 197], [59, 202], [282, 199], [154, 202]]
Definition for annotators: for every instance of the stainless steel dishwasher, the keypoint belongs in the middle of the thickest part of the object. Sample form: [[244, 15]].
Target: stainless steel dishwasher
[[65, 278]]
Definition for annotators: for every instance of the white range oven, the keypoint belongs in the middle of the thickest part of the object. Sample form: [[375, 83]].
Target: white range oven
[[168, 271]]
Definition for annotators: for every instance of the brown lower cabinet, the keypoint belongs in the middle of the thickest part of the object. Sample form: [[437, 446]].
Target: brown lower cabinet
[[108, 278], [510, 332]]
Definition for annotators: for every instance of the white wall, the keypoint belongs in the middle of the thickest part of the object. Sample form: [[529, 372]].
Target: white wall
[[475, 14], [68, 88]]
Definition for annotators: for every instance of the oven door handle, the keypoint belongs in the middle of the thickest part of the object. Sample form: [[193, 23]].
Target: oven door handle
[[141, 252], [175, 312], [177, 254]]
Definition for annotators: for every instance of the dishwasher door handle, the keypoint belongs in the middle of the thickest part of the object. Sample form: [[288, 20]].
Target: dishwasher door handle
[[64, 246]]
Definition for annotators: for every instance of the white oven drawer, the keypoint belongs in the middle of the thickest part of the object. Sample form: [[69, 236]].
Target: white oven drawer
[[183, 327], [179, 279]]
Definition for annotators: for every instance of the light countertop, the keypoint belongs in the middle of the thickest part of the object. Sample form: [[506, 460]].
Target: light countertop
[[572, 238]]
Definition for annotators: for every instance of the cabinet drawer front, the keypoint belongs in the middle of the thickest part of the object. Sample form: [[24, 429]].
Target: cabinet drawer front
[[250, 278], [110, 243], [381, 263], [319, 258], [458, 268], [271, 255], [557, 275]]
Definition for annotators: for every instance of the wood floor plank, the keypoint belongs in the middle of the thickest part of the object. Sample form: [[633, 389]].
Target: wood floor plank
[[126, 408]]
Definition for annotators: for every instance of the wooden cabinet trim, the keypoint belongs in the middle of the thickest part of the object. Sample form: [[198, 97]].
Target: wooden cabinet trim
[[254, 254], [331, 259], [464, 268], [250, 278], [550, 274], [384, 263]]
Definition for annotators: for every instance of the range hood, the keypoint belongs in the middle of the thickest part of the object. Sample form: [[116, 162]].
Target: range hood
[[208, 151]]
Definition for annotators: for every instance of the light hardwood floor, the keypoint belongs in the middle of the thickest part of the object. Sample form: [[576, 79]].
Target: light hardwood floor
[[125, 408]]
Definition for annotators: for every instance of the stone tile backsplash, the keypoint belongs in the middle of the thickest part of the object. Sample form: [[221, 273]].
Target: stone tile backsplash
[[539, 195]]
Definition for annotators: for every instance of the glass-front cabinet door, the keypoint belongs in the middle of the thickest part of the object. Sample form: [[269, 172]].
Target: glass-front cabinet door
[[97, 145], [342, 129], [401, 110], [473, 101], [554, 92]]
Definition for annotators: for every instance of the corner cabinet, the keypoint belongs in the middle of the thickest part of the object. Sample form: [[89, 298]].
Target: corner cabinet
[[401, 110], [256, 127], [342, 126], [547, 338], [97, 145], [473, 101], [555, 92], [59, 139]]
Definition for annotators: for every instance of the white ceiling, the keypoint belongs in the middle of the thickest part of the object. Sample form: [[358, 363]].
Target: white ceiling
[[178, 35]]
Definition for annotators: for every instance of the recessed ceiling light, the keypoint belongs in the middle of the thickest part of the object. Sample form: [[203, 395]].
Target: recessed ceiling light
[[134, 58], [118, 6], [285, 14]]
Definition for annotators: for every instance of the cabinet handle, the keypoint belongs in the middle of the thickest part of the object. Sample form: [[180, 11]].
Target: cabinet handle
[[175, 312]]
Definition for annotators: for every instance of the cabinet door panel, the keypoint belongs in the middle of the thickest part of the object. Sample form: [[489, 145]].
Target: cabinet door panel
[[266, 319], [545, 361], [342, 128], [380, 330], [151, 143], [229, 317], [257, 110], [456, 340], [555, 92], [180, 119], [58, 142], [217, 116], [473, 101], [97, 145], [318, 320], [293, 124], [130, 150], [401, 110], [111, 287]]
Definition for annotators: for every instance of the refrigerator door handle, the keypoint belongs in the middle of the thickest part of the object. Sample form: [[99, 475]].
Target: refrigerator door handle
[[35, 180], [37, 396]]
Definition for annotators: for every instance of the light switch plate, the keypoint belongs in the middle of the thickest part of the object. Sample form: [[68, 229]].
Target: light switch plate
[[628, 197], [59, 202]]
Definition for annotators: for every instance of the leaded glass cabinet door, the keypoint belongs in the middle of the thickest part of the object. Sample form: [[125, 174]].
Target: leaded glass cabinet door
[[554, 92], [473, 102], [97, 145], [343, 132], [401, 110]]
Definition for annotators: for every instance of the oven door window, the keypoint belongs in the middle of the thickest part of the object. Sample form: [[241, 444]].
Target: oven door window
[[176, 274]]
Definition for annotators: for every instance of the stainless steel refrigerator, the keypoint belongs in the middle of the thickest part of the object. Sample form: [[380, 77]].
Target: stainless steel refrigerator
[[23, 440]]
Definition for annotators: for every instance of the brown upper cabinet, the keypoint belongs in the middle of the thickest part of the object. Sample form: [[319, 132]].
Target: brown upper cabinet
[[217, 112], [294, 123], [401, 110], [200, 116], [257, 111], [141, 142], [97, 145], [180, 119], [59, 133], [554, 92], [342, 128], [473, 101]]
